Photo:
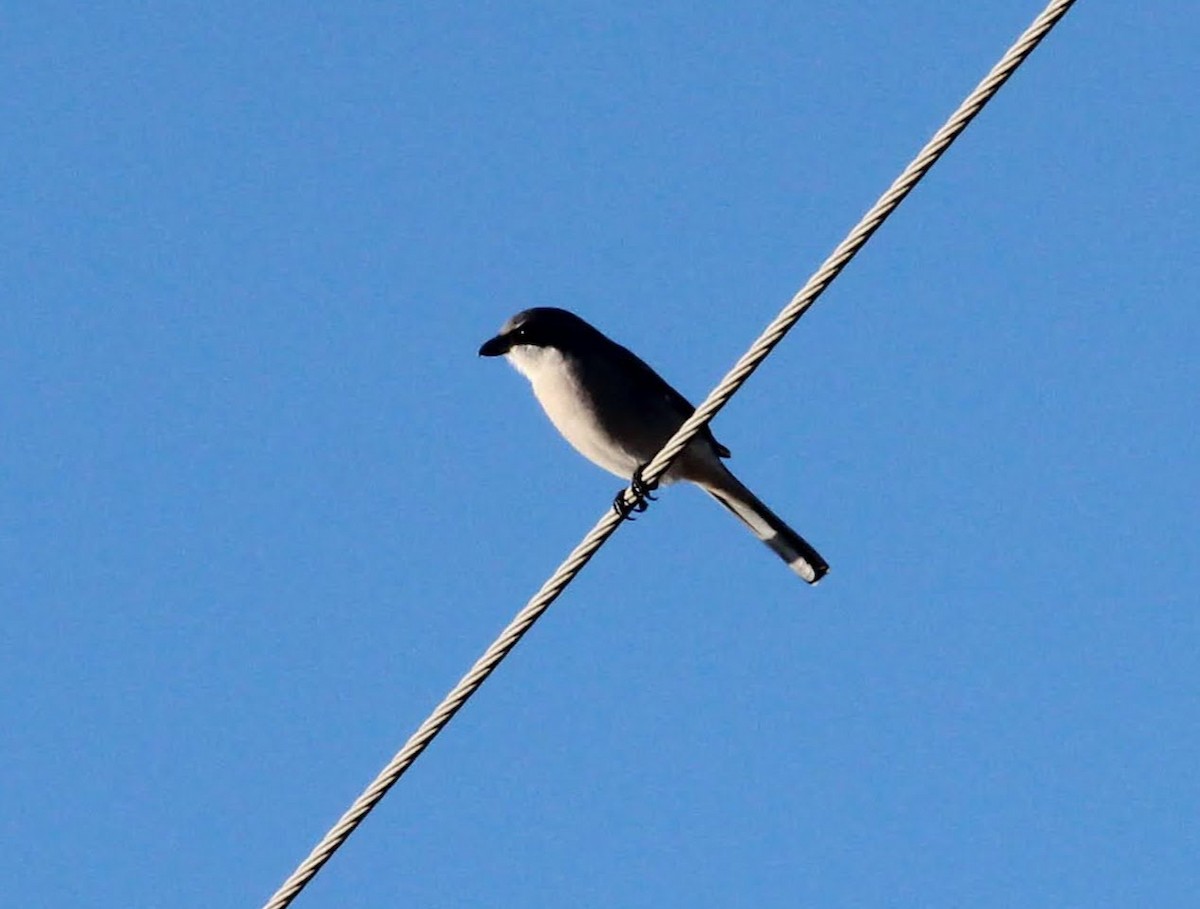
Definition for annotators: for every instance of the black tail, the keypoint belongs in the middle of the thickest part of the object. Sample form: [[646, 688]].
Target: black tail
[[769, 527]]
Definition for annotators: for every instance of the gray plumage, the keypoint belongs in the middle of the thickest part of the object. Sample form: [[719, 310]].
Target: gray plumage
[[618, 412]]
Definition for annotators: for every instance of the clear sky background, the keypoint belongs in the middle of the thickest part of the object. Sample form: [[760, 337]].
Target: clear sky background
[[261, 505]]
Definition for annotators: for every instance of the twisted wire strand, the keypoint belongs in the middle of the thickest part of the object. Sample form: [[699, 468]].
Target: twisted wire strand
[[855, 240], [657, 467]]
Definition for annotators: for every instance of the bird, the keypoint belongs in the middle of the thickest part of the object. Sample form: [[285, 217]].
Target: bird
[[618, 413]]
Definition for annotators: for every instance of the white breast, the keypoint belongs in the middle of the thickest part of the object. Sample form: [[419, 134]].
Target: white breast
[[556, 384]]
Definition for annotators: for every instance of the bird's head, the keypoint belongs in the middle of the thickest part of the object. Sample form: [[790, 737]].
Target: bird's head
[[540, 328]]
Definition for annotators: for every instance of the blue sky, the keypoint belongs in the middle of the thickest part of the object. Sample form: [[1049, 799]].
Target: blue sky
[[261, 504]]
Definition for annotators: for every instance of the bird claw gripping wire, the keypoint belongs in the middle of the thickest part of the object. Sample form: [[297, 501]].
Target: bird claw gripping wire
[[644, 492], [641, 488]]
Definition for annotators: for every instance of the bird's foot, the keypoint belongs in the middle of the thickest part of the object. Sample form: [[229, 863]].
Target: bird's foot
[[644, 492], [626, 509], [641, 488]]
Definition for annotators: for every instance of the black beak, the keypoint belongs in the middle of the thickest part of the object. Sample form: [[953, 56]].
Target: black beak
[[496, 347]]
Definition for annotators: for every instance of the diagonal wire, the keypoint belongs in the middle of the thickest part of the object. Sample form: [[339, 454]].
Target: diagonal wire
[[654, 471]]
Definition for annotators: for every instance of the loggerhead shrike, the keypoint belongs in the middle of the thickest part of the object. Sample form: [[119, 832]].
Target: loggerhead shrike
[[618, 412]]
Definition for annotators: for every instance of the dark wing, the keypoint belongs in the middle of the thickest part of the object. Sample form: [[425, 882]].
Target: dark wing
[[685, 408]]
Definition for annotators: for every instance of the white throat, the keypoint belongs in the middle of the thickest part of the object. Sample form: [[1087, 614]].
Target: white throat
[[535, 362]]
